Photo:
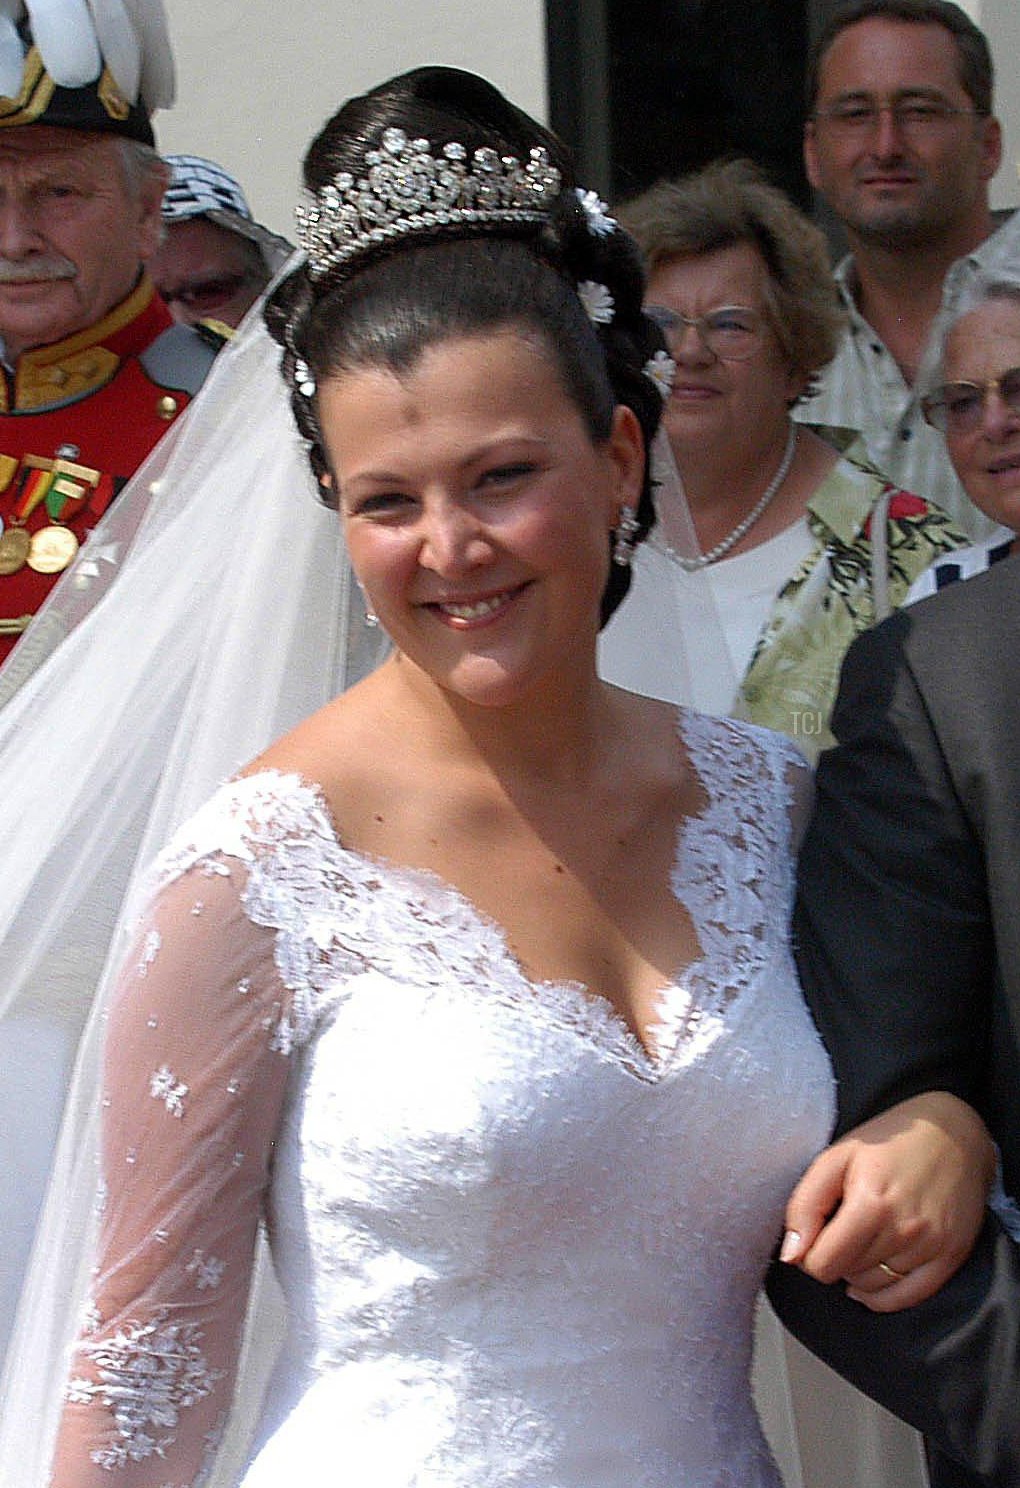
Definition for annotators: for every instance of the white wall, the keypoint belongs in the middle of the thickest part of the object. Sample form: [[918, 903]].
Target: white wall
[[1000, 21], [256, 79]]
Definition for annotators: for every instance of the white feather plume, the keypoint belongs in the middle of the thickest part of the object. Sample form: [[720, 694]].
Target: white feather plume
[[12, 52], [149, 22], [76, 38], [66, 38], [119, 44]]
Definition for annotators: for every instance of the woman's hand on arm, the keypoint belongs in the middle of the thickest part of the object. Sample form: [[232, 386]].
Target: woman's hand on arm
[[894, 1207]]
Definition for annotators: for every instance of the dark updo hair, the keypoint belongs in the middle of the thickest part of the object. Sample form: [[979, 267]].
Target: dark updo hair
[[399, 298]]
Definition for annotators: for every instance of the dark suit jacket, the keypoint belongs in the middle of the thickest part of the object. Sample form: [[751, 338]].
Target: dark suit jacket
[[908, 941]]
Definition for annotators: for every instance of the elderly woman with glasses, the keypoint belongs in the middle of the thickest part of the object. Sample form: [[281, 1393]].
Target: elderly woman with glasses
[[775, 548], [975, 402]]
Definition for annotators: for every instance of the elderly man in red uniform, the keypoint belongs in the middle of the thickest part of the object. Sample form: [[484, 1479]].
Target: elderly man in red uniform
[[94, 371]]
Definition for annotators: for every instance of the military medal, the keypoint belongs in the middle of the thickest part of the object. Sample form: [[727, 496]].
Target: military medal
[[15, 543], [51, 549], [64, 487], [55, 546]]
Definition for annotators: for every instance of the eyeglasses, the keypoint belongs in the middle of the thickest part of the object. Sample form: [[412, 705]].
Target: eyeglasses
[[205, 295], [857, 117], [958, 407], [732, 333]]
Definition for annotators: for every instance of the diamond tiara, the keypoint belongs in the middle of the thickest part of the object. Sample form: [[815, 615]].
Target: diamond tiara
[[408, 190]]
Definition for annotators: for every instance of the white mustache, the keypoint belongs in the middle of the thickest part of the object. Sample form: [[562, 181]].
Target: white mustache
[[24, 271]]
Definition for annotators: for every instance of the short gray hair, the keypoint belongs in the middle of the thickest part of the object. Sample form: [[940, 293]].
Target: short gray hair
[[982, 288], [141, 164]]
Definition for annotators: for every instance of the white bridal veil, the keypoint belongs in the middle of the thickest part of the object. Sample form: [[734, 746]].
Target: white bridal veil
[[233, 616]]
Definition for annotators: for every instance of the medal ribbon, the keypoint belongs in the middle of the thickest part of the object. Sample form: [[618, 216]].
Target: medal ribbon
[[32, 488], [71, 483], [60, 483], [62, 491]]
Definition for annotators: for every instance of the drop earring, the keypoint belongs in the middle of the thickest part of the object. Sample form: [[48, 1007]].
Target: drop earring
[[625, 537]]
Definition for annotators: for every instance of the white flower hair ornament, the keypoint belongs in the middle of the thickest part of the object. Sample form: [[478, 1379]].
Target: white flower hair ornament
[[661, 369], [600, 224], [599, 305], [304, 378]]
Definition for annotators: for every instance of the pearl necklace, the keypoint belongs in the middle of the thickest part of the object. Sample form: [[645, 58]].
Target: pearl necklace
[[692, 565]]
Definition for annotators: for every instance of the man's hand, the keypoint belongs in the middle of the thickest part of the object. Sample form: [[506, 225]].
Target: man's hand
[[894, 1207]]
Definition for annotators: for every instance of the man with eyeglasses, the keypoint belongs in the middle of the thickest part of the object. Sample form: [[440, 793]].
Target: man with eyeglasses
[[215, 259], [901, 141], [94, 371]]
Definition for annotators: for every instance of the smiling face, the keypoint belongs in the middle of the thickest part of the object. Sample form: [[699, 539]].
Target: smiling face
[[715, 399], [981, 346], [477, 511], [901, 186], [73, 235]]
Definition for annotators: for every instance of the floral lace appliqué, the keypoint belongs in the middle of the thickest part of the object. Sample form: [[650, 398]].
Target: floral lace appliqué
[[733, 874], [146, 1375], [165, 1086], [207, 1270], [734, 871], [150, 950]]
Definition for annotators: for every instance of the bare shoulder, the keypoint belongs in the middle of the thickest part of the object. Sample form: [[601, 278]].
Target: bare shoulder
[[649, 714], [338, 748], [656, 751]]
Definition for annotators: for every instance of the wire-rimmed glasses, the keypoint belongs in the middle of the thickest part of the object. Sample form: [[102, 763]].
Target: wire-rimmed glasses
[[958, 407], [858, 116], [733, 333]]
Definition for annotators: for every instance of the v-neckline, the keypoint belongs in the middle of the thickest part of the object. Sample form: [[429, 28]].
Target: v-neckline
[[650, 1061], [547, 994]]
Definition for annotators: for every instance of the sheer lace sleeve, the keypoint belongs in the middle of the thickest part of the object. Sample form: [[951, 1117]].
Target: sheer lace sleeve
[[801, 784], [194, 1077]]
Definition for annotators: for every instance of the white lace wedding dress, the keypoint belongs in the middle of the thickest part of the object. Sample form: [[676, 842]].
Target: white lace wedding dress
[[520, 1248]]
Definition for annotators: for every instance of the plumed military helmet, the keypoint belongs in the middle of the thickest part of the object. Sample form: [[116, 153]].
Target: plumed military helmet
[[85, 64]]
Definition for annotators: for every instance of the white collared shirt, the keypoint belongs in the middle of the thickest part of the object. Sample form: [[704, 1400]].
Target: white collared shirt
[[863, 388]]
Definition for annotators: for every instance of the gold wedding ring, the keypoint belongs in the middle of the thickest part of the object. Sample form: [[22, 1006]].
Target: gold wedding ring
[[891, 1272]]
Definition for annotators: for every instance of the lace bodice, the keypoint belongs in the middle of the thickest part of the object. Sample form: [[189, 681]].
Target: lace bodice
[[519, 1247]]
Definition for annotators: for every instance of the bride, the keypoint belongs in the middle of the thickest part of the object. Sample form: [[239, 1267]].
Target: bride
[[476, 987]]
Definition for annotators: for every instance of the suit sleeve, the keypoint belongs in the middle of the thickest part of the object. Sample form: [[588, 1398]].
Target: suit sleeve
[[950, 1366], [896, 955], [892, 928]]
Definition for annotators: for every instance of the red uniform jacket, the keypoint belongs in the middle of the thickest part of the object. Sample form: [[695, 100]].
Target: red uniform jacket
[[76, 420]]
